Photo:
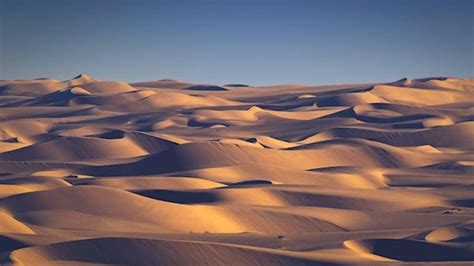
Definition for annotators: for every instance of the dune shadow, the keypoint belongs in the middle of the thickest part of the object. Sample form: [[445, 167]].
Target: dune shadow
[[9, 244], [206, 88], [236, 85], [113, 134], [183, 197], [408, 250], [251, 183]]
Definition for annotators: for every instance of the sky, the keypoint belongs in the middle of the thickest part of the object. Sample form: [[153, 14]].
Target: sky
[[254, 42]]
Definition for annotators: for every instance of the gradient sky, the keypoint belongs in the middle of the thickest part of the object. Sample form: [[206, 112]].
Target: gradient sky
[[253, 42]]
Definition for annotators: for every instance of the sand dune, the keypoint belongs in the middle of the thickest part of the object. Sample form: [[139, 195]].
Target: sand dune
[[177, 173]]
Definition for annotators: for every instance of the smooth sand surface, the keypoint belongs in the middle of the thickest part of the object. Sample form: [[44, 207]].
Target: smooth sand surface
[[174, 173]]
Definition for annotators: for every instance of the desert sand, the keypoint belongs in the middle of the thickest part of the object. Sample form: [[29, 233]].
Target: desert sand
[[175, 173]]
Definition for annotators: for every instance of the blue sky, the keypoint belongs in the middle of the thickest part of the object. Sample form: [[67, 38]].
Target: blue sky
[[246, 41]]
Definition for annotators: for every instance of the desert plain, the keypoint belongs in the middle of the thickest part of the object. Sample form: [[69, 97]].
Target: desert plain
[[175, 173]]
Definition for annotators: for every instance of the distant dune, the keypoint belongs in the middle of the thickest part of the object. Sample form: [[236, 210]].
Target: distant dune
[[175, 173]]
